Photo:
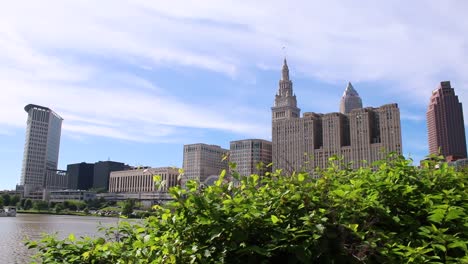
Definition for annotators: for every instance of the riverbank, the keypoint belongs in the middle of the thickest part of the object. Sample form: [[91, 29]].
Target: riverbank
[[137, 215], [62, 213]]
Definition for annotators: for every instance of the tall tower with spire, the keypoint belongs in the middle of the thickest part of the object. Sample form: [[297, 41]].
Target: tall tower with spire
[[303, 143], [285, 100], [350, 100]]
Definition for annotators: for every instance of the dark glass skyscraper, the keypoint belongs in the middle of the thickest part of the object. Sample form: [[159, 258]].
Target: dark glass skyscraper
[[446, 129], [80, 176]]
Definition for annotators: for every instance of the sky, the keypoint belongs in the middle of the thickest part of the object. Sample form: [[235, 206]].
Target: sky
[[136, 80]]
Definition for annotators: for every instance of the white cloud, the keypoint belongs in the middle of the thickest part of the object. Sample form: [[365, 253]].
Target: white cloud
[[44, 46]]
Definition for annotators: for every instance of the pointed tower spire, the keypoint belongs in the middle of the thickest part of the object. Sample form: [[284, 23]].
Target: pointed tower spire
[[285, 99], [350, 90], [285, 71], [350, 100]]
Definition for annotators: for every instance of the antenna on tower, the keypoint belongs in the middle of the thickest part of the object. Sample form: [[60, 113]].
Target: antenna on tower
[[284, 51]]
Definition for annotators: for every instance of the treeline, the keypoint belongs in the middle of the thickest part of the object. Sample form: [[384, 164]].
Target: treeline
[[9, 200], [58, 207]]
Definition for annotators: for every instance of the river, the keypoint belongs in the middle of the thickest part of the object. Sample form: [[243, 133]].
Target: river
[[14, 230]]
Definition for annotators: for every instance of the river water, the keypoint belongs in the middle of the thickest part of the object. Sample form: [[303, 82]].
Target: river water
[[14, 230]]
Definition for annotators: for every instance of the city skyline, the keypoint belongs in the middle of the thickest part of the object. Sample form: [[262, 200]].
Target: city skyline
[[136, 81]]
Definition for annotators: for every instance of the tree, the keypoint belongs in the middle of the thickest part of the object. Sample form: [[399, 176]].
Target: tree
[[22, 201], [95, 204], [1, 202], [70, 205], [58, 208], [6, 199], [40, 205], [14, 200], [391, 212], [128, 206], [27, 204]]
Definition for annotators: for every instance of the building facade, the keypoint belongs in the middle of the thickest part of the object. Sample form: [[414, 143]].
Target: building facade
[[141, 180], [102, 171], [305, 143], [445, 125], [70, 195], [56, 180], [202, 161], [80, 176], [41, 148], [248, 153]]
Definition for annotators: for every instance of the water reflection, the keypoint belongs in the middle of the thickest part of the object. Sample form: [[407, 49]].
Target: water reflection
[[14, 230]]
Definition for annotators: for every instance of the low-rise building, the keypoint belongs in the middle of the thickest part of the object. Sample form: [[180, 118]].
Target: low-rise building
[[141, 180], [459, 164], [69, 195]]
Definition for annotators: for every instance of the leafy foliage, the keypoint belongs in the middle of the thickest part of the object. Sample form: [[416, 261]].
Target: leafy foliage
[[390, 213], [28, 204], [40, 205]]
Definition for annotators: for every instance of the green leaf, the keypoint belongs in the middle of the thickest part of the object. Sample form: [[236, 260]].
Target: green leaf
[[301, 177], [71, 237], [353, 227], [439, 246], [274, 219], [157, 178], [459, 244], [221, 178], [436, 216], [454, 213]]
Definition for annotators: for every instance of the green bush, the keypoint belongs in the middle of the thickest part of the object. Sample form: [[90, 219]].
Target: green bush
[[390, 213], [40, 205]]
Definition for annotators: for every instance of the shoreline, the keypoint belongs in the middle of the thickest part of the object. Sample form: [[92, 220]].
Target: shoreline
[[63, 213]]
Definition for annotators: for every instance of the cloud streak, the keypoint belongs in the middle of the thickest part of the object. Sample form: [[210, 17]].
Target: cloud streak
[[59, 49]]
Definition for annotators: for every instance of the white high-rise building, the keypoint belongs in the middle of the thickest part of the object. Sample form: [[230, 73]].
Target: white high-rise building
[[41, 148]]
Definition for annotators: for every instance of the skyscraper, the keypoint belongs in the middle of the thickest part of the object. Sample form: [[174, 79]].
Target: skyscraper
[[202, 161], [307, 142], [350, 100], [41, 148], [80, 176], [247, 153], [446, 129]]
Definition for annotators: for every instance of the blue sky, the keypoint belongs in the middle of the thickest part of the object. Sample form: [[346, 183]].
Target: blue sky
[[135, 80]]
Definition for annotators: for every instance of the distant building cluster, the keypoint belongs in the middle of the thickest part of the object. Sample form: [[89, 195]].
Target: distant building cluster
[[355, 133], [299, 143]]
